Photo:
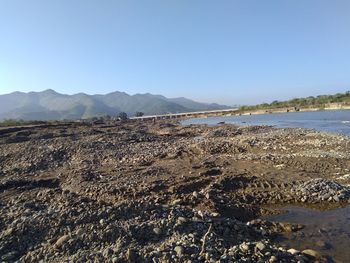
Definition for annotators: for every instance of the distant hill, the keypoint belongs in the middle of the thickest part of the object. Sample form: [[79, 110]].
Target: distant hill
[[50, 105]]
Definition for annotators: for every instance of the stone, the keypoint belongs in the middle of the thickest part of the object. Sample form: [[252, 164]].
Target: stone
[[273, 259], [80, 232], [61, 241], [311, 253], [244, 247], [179, 251], [157, 230], [293, 251], [8, 231], [287, 227], [107, 252], [176, 202], [260, 246]]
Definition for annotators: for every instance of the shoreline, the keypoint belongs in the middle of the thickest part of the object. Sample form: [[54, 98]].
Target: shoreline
[[291, 109]]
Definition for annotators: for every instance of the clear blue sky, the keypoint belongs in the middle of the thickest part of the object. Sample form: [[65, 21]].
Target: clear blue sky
[[216, 51]]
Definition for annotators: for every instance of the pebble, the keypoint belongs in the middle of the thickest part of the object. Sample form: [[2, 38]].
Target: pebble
[[179, 251], [80, 232], [319, 189], [311, 253], [181, 220], [157, 230], [273, 259], [61, 241], [260, 246], [244, 247], [176, 202], [293, 251]]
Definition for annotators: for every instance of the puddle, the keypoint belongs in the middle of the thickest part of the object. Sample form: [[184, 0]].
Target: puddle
[[325, 231]]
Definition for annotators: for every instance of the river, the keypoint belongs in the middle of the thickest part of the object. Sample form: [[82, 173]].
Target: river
[[335, 121]]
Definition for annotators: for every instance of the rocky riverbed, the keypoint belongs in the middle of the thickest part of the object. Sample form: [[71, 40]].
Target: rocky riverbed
[[162, 192]]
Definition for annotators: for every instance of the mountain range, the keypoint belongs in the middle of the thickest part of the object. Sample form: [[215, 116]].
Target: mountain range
[[50, 105]]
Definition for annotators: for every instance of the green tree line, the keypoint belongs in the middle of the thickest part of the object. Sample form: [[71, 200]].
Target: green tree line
[[320, 101]]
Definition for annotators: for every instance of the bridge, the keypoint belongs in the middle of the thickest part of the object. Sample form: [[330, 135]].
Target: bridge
[[196, 114]]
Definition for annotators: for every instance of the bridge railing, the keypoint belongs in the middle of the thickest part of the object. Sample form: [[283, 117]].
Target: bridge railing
[[187, 114]]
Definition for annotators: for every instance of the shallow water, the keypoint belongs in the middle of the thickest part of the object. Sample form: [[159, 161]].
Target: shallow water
[[335, 121], [325, 231]]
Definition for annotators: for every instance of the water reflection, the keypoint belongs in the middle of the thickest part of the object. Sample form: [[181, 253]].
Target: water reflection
[[325, 231]]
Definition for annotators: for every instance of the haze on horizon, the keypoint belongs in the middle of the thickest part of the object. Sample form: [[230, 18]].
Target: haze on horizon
[[229, 52]]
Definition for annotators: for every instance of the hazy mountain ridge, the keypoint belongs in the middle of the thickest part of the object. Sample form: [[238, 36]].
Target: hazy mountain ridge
[[50, 105]]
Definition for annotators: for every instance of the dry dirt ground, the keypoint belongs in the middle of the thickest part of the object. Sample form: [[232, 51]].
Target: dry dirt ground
[[161, 192]]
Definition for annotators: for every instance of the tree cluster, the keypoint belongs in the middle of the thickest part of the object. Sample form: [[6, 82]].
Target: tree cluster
[[320, 101]]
